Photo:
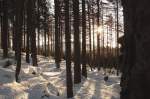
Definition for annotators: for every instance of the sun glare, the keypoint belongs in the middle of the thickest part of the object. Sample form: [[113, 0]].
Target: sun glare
[[99, 30]]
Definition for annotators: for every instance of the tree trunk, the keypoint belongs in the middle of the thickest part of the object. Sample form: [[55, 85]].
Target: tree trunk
[[117, 2], [28, 35], [4, 34], [84, 70], [33, 34], [135, 80], [98, 35], [57, 39], [19, 23], [93, 23], [90, 41], [68, 52], [77, 67], [38, 26]]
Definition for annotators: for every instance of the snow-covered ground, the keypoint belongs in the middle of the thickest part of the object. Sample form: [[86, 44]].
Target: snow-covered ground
[[47, 82]]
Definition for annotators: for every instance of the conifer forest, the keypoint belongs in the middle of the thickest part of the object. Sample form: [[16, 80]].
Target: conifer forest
[[74, 49]]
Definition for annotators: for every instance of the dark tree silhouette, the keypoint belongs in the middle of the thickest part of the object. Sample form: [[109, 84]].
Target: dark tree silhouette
[[90, 40], [68, 52], [93, 33], [33, 34], [57, 34], [135, 80], [4, 34], [77, 67], [98, 34], [28, 34], [19, 23], [84, 70]]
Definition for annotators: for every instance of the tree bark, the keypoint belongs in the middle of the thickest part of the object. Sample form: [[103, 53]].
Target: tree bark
[[57, 38], [19, 23], [68, 52], [77, 67], [135, 80], [84, 70], [4, 35], [33, 34]]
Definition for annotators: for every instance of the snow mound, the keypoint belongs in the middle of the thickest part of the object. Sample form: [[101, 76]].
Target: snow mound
[[7, 92], [6, 75], [43, 91]]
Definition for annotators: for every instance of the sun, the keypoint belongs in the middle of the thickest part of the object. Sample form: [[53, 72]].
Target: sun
[[99, 29]]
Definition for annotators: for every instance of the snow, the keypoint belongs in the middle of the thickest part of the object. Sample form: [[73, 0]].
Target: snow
[[47, 82]]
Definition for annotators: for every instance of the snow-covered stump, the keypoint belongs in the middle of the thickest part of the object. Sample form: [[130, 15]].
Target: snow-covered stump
[[14, 95]]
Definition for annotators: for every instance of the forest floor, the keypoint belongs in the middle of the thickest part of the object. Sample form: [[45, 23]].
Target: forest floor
[[47, 82]]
